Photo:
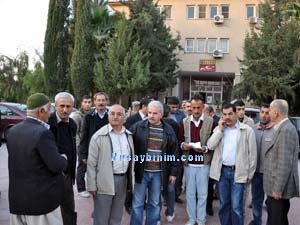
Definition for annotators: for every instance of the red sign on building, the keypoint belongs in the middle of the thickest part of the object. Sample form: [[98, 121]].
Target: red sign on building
[[207, 65]]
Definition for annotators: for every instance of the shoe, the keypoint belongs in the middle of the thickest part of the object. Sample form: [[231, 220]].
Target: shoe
[[210, 211], [158, 223], [178, 200], [190, 223], [84, 194], [200, 223], [171, 218]]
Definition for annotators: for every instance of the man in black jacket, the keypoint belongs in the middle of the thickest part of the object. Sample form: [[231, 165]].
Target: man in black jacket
[[64, 130], [152, 138], [35, 168], [92, 122]]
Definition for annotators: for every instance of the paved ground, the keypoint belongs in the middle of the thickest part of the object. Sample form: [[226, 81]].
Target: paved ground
[[84, 206]]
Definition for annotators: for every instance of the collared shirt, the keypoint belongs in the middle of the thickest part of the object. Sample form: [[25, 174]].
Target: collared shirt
[[40, 121], [59, 119], [121, 148], [142, 115], [278, 124], [230, 144], [101, 115], [197, 122]]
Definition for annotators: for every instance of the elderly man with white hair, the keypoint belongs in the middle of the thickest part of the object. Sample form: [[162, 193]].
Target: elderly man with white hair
[[64, 130], [281, 181], [153, 138]]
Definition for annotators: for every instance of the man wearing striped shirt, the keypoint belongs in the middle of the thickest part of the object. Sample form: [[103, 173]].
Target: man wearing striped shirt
[[153, 138]]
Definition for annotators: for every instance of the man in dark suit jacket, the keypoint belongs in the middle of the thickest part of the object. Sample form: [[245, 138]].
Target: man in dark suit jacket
[[35, 168], [140, 115], [64, 130], [281, 181], [92, 122]]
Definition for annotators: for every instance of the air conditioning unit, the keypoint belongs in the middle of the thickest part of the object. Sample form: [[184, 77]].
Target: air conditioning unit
[[218, 53], [219, 19], [253, 20]]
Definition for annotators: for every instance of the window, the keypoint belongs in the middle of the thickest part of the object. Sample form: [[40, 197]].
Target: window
[[225, 11], [213, 11], [212, 45], [224, 44], [167, 11], [190, 12], [250, 11], [189, 45], [202, 11], [201, 45]]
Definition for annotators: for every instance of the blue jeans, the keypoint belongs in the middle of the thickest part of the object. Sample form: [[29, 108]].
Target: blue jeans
[[170, 198], [151, 182], [196, 183], [231, 210], [258, 196]]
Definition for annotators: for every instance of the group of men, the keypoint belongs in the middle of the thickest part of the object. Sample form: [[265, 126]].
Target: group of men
[[124, 161]]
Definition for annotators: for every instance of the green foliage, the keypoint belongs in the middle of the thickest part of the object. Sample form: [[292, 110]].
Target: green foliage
[[56, 47], [83, 54], [35, 81], [122, 71], [154, 37], [12, 73], [268, 66]]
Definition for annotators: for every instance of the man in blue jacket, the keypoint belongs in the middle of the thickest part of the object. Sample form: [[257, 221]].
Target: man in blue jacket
[[35, 168]]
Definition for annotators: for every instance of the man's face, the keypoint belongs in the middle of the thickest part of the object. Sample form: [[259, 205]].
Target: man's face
[[188, 109], [240, 111], [273, 113], [197, 108], [154, 115], [64, 107], [116, 116], [229, 116], [173, 108], [264, 115], [44, 115], [86, 104], [100, 102]]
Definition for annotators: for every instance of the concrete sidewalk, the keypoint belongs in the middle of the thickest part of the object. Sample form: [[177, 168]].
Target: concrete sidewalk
[[84, 206]]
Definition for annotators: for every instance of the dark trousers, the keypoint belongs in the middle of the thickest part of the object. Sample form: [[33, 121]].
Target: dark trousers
[[81, 170], [178, 182], [68, 203], [210, 194], [278, 211]]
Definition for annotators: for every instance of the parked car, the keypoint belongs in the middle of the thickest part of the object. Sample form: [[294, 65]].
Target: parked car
[[253, 113], [11, 114], [296, 121]]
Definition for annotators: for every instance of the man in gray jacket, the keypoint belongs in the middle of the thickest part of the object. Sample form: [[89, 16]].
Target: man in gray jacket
[[110, 168], [263, 133], [233, 163], [281, 181]]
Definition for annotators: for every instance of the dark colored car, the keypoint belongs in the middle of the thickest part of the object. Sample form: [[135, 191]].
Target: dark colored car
[[11, 114], [296, 121], [253, 113]]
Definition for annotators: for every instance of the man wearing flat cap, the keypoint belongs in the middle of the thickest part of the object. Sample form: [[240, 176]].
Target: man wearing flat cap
[[35, 168]]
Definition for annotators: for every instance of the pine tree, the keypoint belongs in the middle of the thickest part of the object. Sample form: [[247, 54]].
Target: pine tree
[[268, 67], [155, 38], [56, 47], [123, 71], [83, 54]]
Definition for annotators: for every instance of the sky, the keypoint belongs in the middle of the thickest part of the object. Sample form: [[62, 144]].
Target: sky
[[23, 25]]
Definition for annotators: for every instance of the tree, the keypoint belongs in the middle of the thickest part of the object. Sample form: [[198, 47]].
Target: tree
[[35, 81], [150, 29], [12, 73], [56, 47], [268, 67], [123, 71], [83, 54]]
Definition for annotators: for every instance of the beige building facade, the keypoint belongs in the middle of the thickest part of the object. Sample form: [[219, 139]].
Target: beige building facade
[[212, 35]]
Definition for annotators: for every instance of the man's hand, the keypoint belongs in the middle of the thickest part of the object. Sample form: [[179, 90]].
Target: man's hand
[[172, 179], [186, 146], [84, 161], [249, 181], [276, 195], [221, 123], [93, 193]]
